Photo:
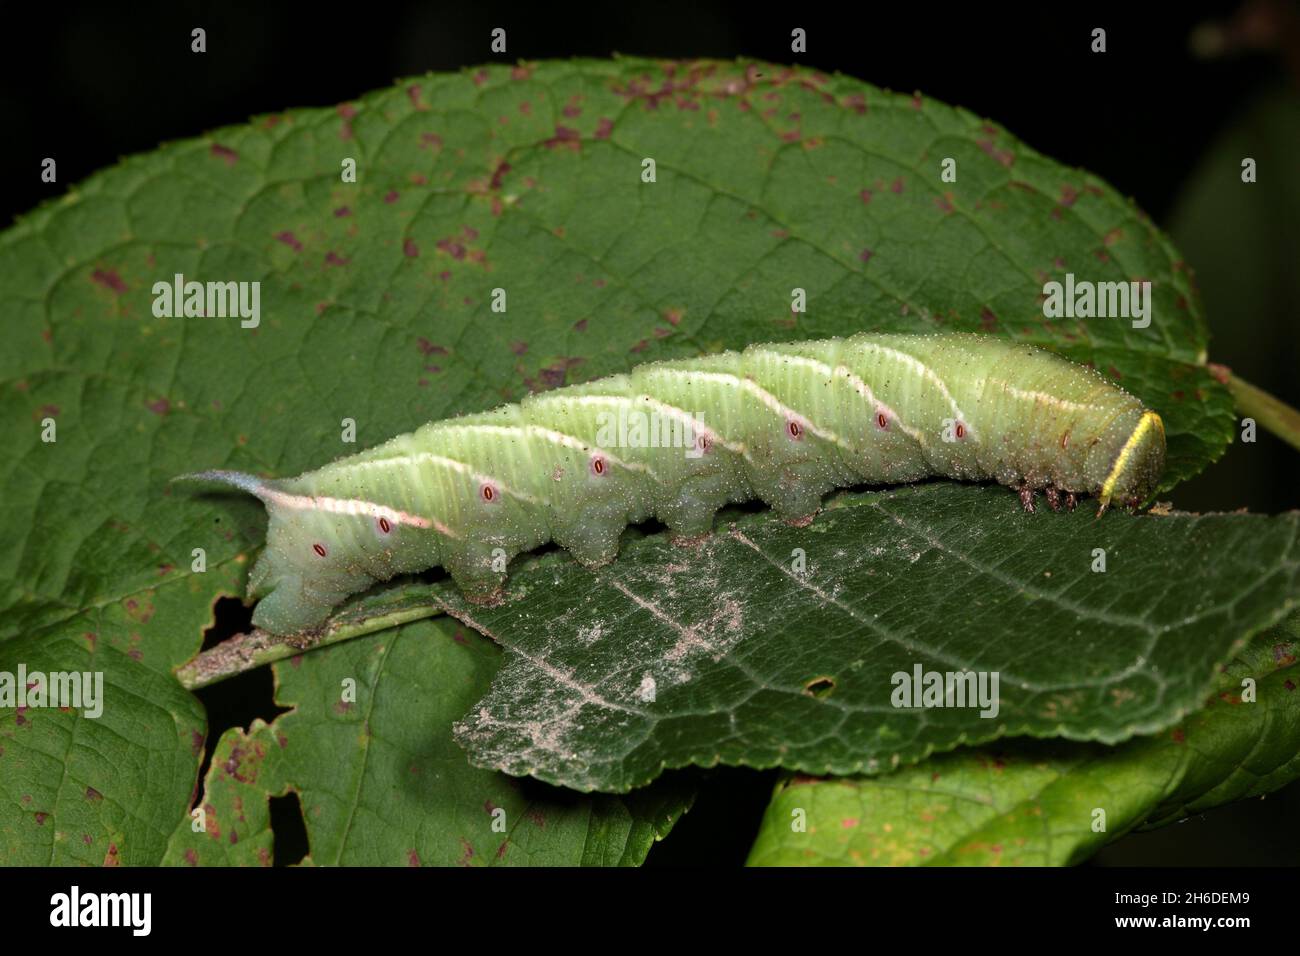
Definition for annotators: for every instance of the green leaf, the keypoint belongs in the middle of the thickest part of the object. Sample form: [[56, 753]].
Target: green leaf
[[374, 304], [771, 666], [107, 789], [381, 783], [1040, 803]]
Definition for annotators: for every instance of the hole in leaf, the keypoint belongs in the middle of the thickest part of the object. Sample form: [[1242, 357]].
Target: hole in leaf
[[230, 616], [819, 687], [235, 702], [288, 829]]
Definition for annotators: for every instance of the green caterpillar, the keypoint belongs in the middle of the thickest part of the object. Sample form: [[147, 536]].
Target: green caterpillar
[[677, 441]]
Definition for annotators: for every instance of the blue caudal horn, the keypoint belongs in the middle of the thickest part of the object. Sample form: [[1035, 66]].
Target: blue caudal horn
[[236, 479]]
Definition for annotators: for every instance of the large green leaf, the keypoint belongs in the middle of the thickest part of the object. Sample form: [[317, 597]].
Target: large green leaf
[[789, 659], [381, 782], [379, 777], [1044, 803], [109, 789], [375, 308]]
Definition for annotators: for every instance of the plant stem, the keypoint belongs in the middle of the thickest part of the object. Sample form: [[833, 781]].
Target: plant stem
[[243, 652], [1273, 415]]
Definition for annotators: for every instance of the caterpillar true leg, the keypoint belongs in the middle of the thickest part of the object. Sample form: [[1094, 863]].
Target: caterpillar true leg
[[1053, 497], [1026, 496]]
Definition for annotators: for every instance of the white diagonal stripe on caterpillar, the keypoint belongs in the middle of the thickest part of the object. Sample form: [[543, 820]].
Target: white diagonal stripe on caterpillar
[[1036, 396], [770, 401], [351, 506], [671, 411], [925, 371], [853, 381], [428, 457], [269, 493], [557, 438]]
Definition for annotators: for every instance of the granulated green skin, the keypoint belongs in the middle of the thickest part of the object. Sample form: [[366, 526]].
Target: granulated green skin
[[782, 423]]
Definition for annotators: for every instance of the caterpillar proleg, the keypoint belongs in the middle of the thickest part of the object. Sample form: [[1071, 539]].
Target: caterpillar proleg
[[784, 423]]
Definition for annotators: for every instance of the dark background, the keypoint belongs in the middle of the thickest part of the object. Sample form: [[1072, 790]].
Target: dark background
[[88, 83]]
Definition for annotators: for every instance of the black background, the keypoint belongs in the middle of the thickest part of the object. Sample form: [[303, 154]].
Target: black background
[[89, 83]]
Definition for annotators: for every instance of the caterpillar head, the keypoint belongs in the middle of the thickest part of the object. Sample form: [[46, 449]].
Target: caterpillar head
[[1136, 470]]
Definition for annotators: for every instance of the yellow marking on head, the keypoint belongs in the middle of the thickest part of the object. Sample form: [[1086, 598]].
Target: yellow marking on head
[[1148, 420]]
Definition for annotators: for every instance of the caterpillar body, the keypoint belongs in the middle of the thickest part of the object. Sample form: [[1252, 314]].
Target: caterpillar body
[[784, 423]]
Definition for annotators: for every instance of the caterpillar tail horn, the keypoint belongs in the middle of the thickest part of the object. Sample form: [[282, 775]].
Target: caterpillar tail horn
[[289, 601], [258, 487]]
